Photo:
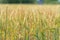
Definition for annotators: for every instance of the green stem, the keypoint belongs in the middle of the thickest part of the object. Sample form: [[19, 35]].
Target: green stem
[[43, 36], [56, 34], [6, 23]]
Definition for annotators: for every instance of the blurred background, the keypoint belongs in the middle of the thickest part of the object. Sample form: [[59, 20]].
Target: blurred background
[[31, 1]]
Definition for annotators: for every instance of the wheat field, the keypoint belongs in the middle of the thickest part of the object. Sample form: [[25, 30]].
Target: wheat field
[[29, 22]]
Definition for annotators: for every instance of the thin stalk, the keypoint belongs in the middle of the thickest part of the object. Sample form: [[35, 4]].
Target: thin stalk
[[26, 33], [43, 35], [1, 26], [37, 34], [6, 24], [56, 34]]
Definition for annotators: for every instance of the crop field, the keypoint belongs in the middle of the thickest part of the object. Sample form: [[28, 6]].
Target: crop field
[[29, 22]]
